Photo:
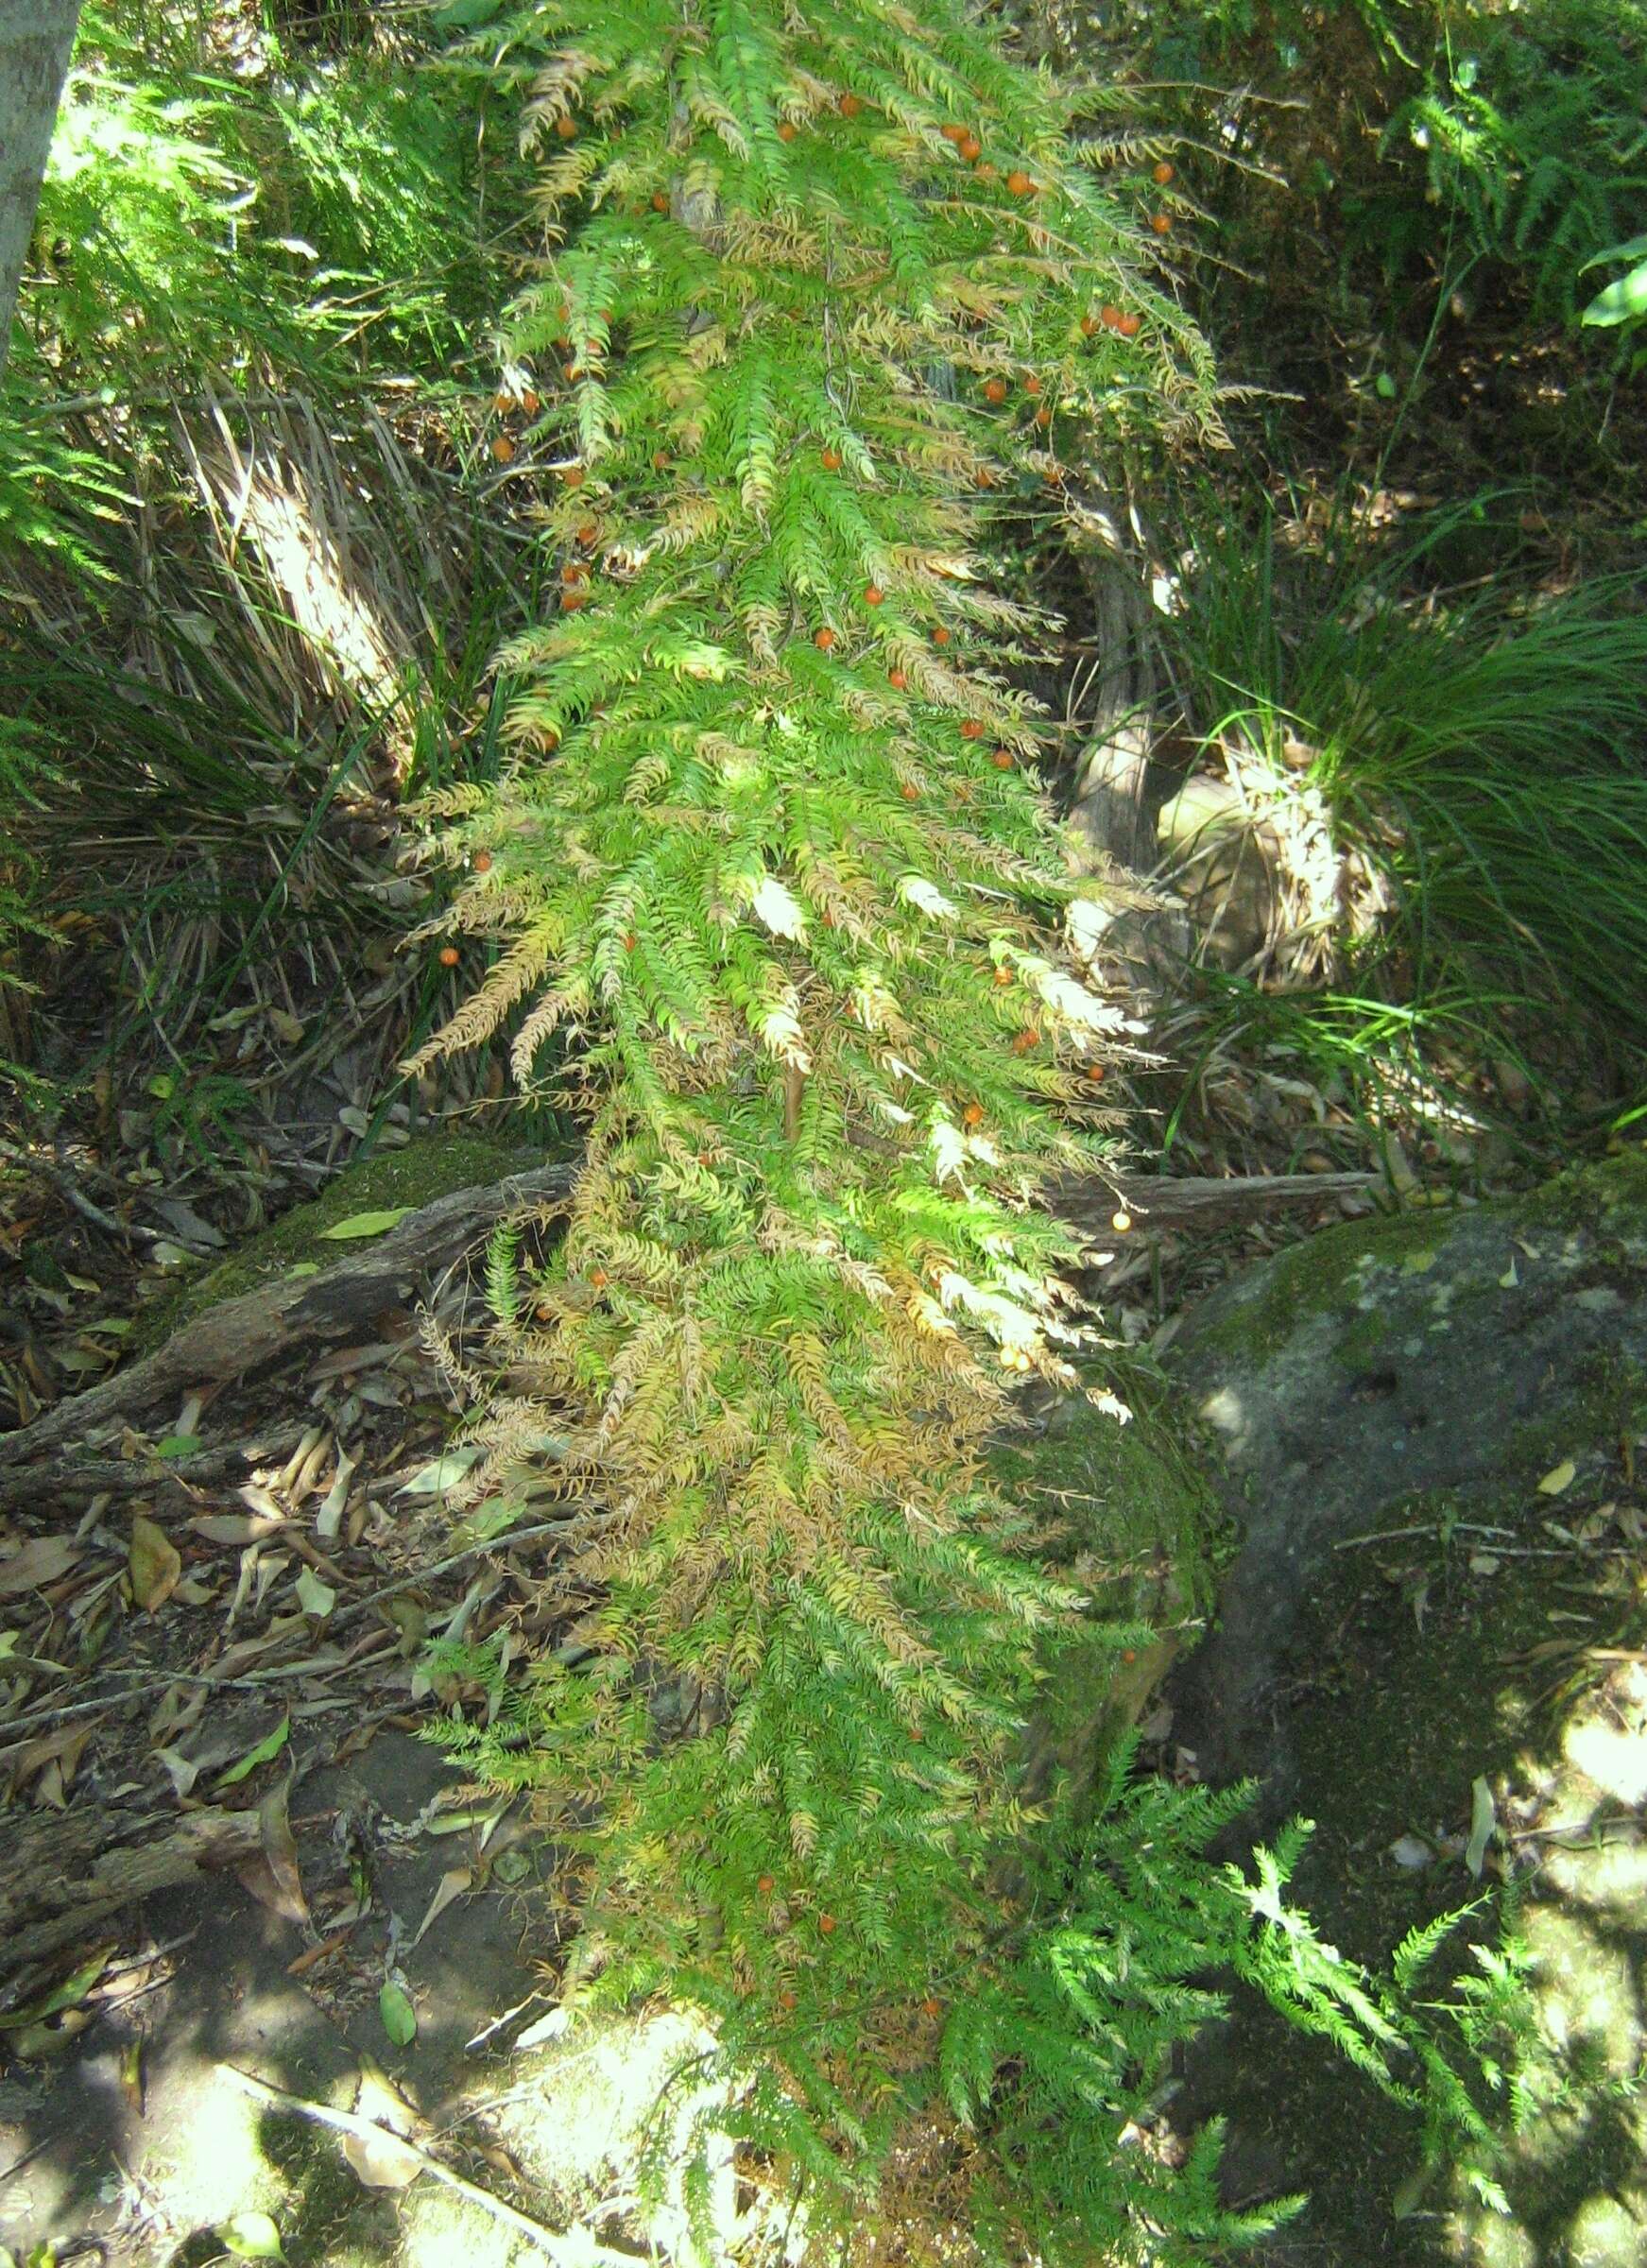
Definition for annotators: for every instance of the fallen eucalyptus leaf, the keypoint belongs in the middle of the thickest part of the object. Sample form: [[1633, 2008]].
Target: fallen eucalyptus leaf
[[314, 1597], [152, 1563], [1559, 1477], [38, 1563], [453, 1883], [368, 1224], [400, 2019], [445, 1472], [269, 1746], [272, 1876], [251, 2237], [381, 2159], [177, 1445], [179, 1769], [1484, 1817]]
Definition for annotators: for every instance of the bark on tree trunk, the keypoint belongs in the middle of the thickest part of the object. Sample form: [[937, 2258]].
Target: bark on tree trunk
[[35, 39], [1128, 771]]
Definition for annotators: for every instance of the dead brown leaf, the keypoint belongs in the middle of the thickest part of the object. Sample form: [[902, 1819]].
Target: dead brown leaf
[[152, 1563], [272, 1876], [40, 1561]]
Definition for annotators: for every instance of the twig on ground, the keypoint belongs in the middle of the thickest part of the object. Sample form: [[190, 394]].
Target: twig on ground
[[575, 2248]]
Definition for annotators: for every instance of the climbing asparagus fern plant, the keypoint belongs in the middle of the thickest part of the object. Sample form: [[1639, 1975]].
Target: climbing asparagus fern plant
[[769, 890]]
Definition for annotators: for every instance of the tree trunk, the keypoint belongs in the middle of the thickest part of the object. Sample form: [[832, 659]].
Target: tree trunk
[[1128, 770], [35, 38]]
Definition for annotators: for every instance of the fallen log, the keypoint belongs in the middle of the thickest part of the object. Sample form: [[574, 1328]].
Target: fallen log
[[240, 1336], [1162, 1200], [62, 1877]]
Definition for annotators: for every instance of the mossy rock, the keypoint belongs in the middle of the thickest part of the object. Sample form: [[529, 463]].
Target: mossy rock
[[1438, 1356], [1430, 1431], [429, 1166]]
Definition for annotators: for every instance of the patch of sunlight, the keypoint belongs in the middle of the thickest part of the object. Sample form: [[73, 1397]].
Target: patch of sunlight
[[210, 2164], [438, 2229], [1605, 2233], [334, 578], [598, 2099], [1223, 1411], [1608, 1744]]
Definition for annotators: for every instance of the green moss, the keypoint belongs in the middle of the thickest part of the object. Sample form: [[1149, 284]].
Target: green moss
[[1606, 1397], [1613, 1191], [430, 1166], [1324, 1274]]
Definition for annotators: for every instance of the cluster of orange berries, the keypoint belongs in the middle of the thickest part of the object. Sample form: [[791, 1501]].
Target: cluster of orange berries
[[969, 146]]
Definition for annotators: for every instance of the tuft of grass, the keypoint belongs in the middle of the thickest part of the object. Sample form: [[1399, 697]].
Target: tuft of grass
[[1481, 749]]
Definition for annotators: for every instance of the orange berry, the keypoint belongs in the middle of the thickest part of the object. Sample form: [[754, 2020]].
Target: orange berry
[[827, 1925], [1129, 1653], [850, 106], [823, 639], [574, 601], [1001, 760], [566, 129], [599, 1277], [1096, 1073], [573, 476], [995, 389], [503, 404], [787, 2000], [898, 680], [954, 132], [971, 728], [940, 636], [1004, 976], [629, 940], [986, 477], [1121, 1221], [910, 794], [1024, 1041], [1032, 384], [873, 595], [985, 173], [969, 147], [1020, 183], [530, 402], [659, 460], [1088, 325], [931, 2007], [449, 956], [1130, 325], [586, 534], [787, 131], [1162, 174], [1162, 223], [503, 449], [766, 1885], [574, 570], [482, 862], [660, 202], [1044, 417], [830, 460], [1111, 317], [972, 1115]]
